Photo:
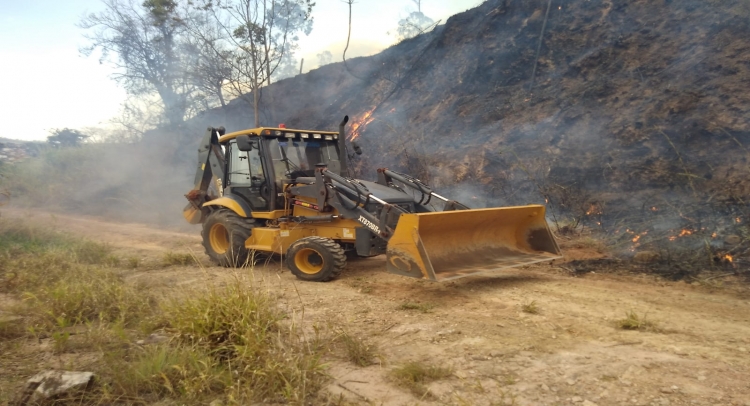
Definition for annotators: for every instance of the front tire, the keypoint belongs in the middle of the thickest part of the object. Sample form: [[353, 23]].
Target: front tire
[[224, 234], [316, 259]]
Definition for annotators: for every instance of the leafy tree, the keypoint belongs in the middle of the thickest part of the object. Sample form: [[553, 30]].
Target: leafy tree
[[195, 53], [324, 58], [66, 138], [258, 41], [146, 39], [415, 24]]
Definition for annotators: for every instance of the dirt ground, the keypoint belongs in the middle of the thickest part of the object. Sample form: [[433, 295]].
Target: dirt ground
[[571, 352]]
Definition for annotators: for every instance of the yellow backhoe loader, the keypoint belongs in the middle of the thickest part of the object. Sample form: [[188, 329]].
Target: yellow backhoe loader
[[286, 191]]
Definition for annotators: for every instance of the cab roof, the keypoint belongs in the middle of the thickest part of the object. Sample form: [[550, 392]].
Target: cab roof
[[276, 132]]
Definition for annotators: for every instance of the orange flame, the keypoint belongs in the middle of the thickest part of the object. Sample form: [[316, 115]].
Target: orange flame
[[360, 124], [728, 258], [683, 233], [637, 237], [738, 220]]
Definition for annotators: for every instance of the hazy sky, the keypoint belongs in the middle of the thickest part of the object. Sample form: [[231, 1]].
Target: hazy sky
[[46, 84]]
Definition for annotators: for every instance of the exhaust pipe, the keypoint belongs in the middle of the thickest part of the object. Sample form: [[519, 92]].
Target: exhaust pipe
[[342, 147]]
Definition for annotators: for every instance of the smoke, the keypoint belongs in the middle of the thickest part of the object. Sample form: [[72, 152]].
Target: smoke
[[136, 182]]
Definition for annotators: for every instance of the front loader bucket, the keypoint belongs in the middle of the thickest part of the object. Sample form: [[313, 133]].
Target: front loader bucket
[[447, 245], [191, 214]]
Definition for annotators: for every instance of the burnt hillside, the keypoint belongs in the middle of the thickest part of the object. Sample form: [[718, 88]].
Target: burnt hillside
[[639, 109], [621, 89]]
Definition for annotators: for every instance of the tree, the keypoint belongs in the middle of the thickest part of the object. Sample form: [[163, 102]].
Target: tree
[[258, 41], [193, 53], [324, 58], [209, 61], [66, 138], [146, 41], [415, 24]]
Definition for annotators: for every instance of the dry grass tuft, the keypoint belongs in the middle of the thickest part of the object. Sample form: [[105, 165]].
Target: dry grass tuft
[[634, 322], [414, 375], [173, 258], [422, 307], [358, 351], [531, 308]]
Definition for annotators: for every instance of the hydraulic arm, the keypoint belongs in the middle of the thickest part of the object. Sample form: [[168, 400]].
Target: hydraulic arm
[[211, 167]]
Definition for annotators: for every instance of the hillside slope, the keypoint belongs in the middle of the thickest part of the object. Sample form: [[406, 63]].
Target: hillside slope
[[639, 107], [612, 76]]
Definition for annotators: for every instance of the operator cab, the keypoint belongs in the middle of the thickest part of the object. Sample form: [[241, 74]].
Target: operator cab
[[259, 166]]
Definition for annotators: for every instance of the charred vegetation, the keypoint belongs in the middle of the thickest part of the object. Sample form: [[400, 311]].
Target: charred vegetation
[[638, 109]]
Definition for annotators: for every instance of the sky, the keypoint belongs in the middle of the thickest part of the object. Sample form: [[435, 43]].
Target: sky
[[46, 84]]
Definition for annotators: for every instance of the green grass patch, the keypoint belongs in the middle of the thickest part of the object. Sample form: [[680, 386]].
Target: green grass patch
[[248, 339], [230, 343], [64, 281], [19, 238], [177, 372], [84, 295]]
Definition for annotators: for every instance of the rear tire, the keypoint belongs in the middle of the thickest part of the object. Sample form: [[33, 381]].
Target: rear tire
[[316, 259], [224, 234]]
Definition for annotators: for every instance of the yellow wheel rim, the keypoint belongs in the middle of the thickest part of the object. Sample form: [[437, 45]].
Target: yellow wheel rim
[[218, 237], [308, 261]]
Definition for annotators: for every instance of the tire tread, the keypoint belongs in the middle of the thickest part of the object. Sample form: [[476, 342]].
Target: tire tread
[[336, 251], [240, 230]]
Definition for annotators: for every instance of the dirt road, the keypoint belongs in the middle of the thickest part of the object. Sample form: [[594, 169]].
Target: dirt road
[[571, 352]]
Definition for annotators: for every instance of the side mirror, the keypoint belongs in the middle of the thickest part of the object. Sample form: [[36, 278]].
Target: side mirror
[[244, 143]]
